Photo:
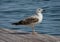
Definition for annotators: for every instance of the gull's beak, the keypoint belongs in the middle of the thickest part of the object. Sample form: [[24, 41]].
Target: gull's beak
[[43, 10]]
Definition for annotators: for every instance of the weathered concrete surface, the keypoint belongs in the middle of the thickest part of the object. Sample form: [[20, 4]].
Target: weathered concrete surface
[[15, 36]]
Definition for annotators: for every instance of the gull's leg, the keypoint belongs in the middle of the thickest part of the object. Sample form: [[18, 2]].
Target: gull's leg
[[33, 30]]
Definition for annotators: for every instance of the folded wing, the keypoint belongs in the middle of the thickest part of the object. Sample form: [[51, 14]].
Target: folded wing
[[26, 21]]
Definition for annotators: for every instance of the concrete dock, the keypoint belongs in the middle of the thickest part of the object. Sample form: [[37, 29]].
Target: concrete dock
[[7, 35]]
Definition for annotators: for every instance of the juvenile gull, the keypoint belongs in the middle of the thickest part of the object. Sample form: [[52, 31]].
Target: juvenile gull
[[32, 21]]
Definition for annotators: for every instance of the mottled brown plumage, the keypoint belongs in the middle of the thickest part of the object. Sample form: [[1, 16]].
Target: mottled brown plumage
[[26, 21]]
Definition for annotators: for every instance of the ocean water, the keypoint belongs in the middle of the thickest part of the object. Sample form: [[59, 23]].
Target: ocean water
[[15, 10]]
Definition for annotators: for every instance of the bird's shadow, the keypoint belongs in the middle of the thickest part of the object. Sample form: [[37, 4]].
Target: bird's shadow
[[20, 33]]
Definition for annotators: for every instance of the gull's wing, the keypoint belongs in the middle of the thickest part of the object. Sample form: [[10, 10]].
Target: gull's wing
[[27, 21]]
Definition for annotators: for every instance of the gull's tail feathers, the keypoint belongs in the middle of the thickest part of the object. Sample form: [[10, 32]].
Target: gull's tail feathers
[[15, 24]]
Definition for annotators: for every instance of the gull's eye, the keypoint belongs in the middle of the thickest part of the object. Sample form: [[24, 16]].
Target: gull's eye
[[39, 9]]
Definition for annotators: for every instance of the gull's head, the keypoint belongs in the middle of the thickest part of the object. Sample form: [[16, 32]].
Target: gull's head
[[39, 10]]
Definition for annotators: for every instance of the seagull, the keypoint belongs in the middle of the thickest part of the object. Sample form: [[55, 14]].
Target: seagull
[[32, 20]]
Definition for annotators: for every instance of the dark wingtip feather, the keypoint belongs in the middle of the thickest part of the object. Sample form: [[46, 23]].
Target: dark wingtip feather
[[14, 23]]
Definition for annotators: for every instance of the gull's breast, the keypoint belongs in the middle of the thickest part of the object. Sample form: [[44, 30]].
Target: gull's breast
[[40, 17]]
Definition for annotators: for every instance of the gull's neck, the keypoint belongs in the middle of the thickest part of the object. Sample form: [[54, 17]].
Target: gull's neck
[[39, 14]]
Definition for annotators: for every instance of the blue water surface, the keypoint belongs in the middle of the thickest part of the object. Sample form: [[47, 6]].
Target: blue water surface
[[15, 10]]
